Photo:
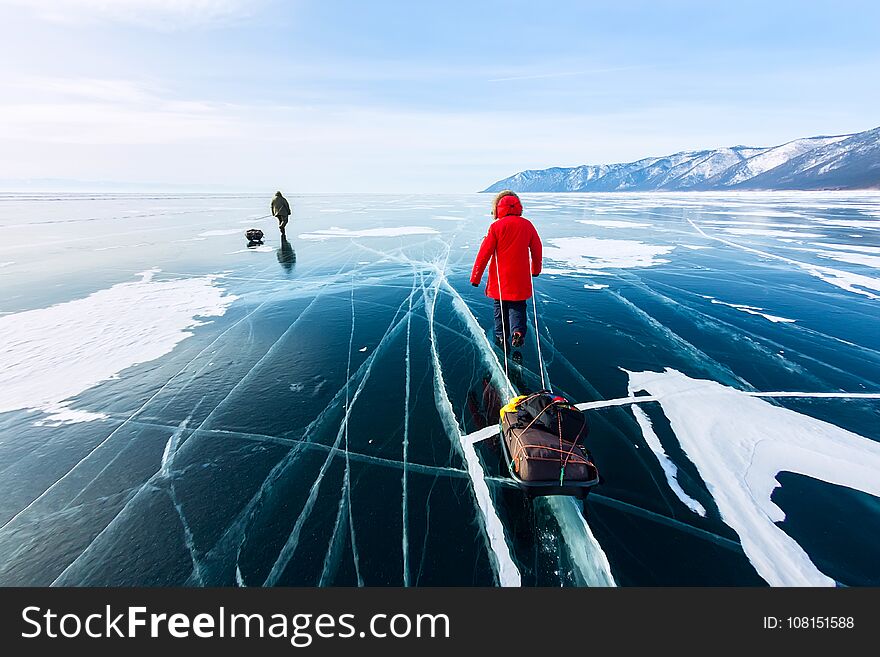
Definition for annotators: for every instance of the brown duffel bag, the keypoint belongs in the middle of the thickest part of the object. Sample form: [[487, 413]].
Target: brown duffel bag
[[544, 438]]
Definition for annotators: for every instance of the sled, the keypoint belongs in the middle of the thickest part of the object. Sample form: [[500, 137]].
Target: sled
[[542, 439]]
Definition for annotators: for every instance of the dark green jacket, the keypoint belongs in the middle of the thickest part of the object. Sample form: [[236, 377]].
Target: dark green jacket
[[280, 207]]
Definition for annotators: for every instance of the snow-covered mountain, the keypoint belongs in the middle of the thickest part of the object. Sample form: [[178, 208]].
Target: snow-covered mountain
[[837, 162], [851, 163]]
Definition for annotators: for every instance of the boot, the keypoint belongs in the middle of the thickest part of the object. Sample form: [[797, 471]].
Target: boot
[[517, 340]]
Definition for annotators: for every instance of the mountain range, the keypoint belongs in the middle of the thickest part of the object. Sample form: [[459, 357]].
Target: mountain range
[[812, 163]]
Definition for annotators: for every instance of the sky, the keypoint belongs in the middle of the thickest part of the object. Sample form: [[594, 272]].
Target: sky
[[414, 97]]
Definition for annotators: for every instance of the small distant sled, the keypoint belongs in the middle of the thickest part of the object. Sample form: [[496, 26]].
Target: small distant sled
[[542, 439], [254, 235]]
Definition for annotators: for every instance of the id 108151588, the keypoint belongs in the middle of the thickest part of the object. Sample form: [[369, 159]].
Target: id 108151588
[[809, 623]]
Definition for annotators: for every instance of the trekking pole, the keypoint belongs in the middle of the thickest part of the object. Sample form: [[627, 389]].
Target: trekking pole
[[537, 334], [503, 329]]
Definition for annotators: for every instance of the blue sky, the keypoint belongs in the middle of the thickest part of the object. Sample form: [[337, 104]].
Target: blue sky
[[387, 96]]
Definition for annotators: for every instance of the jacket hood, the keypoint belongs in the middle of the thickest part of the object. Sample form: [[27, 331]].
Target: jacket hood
[[508, 205]]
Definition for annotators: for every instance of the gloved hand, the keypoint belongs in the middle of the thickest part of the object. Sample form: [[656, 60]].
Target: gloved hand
[[475, 284], [535, 275]]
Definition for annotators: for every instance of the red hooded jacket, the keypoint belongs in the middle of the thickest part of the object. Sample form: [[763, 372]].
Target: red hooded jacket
[[510, 240]]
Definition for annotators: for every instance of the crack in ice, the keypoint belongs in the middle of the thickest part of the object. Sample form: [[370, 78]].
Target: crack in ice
[[292, 542], [405, 449], [505, 568]]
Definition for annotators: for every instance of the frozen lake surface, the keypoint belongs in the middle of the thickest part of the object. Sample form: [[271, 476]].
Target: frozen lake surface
[[177, 408]]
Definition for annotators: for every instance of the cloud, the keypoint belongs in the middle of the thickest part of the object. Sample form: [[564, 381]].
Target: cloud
[[143, 130], [89, 111], [90, 128], [566, 74], [55, 89], [158, 14]]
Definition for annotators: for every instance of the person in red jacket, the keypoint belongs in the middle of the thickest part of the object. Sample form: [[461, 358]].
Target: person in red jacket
[[514, 248]]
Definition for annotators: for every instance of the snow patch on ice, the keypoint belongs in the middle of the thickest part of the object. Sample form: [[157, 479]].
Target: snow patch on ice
[[848, 281], [760, 224], [50, 355], [848, 223], [852, 258], [760, 213], [610, 223], [752, 310], [590, 255], [120, 246], [669, 468], [59, 414], [262, 248], [849, 247], [769, 233], [399, 231], [218, 233], [594, 286], [739, 443]]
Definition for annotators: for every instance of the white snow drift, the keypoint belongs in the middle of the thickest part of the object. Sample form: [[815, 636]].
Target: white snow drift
[[739, 443], [751, 310], [591, 255], [669, 467], [219, 233], [50, 355], [611, 223]]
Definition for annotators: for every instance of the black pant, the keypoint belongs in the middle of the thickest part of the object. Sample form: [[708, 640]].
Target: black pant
[[282, 221], [512, 319]]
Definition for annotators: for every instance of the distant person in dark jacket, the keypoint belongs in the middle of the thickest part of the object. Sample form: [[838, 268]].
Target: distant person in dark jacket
[[280, 210], [514, 248]]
